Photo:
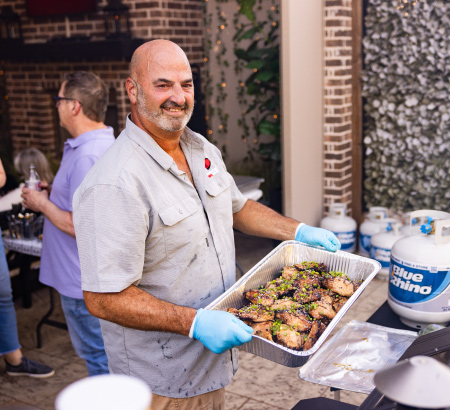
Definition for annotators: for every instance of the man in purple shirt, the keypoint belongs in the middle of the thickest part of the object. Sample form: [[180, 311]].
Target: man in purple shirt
[[81, 103]]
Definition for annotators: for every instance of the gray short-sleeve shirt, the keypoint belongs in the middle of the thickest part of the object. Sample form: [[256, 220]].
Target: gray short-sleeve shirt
[[139, 220]]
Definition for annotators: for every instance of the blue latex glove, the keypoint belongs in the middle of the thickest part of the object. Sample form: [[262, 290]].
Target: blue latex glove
[[220, 331], [317, 237]]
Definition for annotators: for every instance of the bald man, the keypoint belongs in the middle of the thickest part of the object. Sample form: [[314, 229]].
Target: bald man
[[154, 224]]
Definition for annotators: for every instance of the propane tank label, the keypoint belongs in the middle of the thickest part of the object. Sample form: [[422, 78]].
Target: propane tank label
[[381, 255], [413, 284], [364, 242], [347, 239]]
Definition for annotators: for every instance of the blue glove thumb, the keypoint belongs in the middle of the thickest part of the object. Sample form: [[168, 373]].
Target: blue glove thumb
[[220, 331], [317, 237]]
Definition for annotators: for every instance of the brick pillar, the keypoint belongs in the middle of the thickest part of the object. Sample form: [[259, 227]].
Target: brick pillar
[[338, 103]]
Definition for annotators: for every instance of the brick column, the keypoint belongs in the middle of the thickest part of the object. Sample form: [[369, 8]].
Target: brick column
[[338, 103]]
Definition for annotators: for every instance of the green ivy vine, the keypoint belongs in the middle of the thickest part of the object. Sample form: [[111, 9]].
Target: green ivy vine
[[263, 85], [255, 46]]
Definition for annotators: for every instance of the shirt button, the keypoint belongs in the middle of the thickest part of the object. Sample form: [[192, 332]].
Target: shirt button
[[180, 211], [220, 184]]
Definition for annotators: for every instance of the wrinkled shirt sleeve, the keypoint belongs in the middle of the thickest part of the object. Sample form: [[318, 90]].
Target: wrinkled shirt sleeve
[[111, 229]]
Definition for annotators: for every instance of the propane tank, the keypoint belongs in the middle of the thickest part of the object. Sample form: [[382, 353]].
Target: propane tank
[[370, 227], [382, 242], [342, 226], [419, 273], [411, 227]]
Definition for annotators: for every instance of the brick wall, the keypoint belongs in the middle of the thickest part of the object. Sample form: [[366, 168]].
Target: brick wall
[[338, 103], [30, 86], [178, 20]]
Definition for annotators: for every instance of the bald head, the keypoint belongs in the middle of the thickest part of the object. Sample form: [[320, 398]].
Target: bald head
[[160, 88], [155, 51]]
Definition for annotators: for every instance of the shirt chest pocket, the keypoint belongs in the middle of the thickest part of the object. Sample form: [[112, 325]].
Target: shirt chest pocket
[[184, 226], [219, 192]]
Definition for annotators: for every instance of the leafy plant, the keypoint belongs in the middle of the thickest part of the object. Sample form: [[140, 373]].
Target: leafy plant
[[261, 55]]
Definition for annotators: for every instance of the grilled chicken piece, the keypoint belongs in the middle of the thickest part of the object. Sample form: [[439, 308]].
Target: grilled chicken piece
[[338, 302], [327, 295], [290, 338], [235, 312], [306, 296], [285, 304], [298, 319], [289, 272], [321, 310], [261, 297], [280, 286], [313, 335], [255, 313], [263, 329], [341, 285], [318, 267], [326, 292], [307, 280]]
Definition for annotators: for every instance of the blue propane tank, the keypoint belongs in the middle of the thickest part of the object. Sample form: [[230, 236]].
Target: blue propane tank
[[419, 272], [370, 227], [342, 226], [382, 242]]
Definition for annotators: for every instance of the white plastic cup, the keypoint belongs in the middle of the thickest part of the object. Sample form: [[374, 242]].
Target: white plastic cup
[[105, 392]]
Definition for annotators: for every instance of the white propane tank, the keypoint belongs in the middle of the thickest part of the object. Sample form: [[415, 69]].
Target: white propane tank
[[419, 274], [342, 226], [370, 227], [411, 228], [382, 242]]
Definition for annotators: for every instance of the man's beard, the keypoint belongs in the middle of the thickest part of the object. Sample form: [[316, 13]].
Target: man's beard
[[159, 118]]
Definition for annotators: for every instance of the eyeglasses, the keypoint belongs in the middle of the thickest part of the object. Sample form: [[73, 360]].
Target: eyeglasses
[[57, 100]]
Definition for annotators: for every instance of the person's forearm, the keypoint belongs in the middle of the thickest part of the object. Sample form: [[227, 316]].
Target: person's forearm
[[259, 220], [137, 309], [61, 219]]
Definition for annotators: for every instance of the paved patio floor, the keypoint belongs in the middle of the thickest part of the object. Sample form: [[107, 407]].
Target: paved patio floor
[[259, 384]]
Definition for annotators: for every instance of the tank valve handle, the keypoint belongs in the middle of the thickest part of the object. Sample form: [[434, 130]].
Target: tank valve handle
[[427, 227]]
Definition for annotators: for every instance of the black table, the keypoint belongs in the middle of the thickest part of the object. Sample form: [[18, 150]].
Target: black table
[[322, 403]]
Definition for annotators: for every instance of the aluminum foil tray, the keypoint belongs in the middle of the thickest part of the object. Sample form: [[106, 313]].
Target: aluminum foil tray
[[288, 253]]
